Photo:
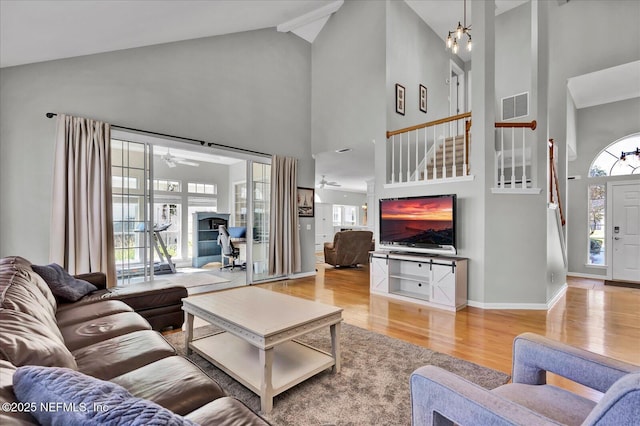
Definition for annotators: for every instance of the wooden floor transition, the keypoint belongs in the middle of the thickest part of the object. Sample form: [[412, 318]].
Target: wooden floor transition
[[599, 318]]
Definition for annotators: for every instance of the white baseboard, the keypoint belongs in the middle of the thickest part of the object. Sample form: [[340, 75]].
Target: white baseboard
[[558, 296], [521, 306], [529, 306], [592, 276]]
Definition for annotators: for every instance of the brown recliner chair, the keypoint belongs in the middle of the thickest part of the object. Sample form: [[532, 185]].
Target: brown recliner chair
[[349, 248]]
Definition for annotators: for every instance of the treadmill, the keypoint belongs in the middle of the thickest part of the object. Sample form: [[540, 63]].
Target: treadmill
[[165, 266]]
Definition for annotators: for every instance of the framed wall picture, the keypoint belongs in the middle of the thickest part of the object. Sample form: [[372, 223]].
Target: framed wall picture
[[400, 99], [423, 98], [305, 202]]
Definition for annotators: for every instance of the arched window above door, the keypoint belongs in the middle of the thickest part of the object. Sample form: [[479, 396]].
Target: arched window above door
[[622, 157]]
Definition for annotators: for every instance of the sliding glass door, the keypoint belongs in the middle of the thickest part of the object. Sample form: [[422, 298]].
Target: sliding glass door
[[131, 174], [259, 205]]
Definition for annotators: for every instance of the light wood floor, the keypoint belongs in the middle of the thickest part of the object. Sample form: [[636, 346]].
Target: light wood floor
[[602, 319]]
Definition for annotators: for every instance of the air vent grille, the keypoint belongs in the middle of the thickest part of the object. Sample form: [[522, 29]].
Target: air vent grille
[[515, 106]]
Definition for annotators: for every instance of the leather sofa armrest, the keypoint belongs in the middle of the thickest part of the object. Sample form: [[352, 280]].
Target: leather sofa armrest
[[99, 279]]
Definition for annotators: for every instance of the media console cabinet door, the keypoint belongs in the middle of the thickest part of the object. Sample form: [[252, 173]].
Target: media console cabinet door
[[379, 274], [443, 285]]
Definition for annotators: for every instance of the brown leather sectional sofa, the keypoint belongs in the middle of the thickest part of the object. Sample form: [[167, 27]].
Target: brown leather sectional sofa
[[104, 339]]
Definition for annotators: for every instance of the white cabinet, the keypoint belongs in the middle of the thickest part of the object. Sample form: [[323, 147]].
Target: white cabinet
[[324, 225], [426, 279], [379, 275]]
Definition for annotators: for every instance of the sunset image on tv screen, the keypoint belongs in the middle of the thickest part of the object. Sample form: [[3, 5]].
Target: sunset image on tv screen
[[417, 221]]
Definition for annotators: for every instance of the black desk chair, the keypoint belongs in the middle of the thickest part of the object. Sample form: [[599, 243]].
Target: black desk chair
[[229, 251]]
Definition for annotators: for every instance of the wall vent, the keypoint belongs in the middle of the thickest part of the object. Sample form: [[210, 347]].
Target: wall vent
[[515, 106]]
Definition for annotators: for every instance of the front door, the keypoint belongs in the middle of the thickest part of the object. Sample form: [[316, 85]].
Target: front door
[[625, 231]]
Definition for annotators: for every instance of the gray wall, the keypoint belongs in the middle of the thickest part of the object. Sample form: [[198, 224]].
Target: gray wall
[[404, 45], [348, 60], [582, 40], [249, 90], [416, 55], [597, 127]]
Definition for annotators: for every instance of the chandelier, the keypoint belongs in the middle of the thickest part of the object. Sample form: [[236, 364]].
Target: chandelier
[[455, 36]]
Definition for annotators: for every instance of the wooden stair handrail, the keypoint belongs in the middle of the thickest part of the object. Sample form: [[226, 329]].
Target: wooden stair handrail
[[429, 124], [553, 181], [532, 125]]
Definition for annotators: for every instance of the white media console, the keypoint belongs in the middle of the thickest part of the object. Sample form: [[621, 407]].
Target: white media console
[[432, 280]]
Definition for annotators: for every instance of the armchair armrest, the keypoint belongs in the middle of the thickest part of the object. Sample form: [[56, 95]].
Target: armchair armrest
[[437, 393], [534, 355], [99, 279]]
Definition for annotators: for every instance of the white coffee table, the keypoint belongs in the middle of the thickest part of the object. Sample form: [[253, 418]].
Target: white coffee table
[[257, 346]]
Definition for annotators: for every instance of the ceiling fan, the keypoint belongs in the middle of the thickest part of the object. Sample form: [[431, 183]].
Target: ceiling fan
[[172, 160], [324, 182]]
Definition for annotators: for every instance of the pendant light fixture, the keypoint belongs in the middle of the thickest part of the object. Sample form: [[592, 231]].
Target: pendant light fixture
[[455, 37]]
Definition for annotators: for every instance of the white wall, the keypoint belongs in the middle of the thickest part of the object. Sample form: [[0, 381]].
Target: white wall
[[249, 90]]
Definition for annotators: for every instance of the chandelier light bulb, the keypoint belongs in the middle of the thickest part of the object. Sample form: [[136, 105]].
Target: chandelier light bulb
[[449, 41], [469, 45], [459, 31], [455, 46]]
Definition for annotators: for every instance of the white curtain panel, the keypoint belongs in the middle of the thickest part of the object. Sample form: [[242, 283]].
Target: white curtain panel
[[284, 239], [82, 219]]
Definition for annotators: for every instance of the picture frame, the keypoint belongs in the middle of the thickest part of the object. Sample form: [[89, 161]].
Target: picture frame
[[306, 202], [423, 99], [400, 99]]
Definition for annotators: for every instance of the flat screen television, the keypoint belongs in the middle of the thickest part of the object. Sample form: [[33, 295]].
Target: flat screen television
[[424, 223]]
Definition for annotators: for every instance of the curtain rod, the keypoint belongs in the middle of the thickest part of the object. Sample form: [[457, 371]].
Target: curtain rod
[[203, 143]]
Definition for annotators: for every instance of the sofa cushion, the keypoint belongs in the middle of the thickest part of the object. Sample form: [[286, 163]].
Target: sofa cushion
[[119, 355], [87, 333], [62, 284], [85, 400], [173, 382], [13, 415], [26, 341], [76, 314], [549, 401], [226, 411]]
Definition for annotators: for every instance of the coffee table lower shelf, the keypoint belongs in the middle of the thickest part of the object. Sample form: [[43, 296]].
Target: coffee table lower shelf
[[293, 361]]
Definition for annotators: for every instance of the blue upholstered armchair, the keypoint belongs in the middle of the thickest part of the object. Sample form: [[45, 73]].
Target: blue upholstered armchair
[[439, 397]]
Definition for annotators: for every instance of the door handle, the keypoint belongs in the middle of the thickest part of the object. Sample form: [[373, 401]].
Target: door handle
[[616, 238]]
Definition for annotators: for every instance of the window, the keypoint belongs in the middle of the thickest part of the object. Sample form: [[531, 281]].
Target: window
[[345, 215], [166, 185], [202, 188], [240, 204], [611, 162], [596, 227]]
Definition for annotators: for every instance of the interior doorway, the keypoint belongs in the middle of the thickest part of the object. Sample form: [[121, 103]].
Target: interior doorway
[[624, 230], [160, 183], [457, 86]]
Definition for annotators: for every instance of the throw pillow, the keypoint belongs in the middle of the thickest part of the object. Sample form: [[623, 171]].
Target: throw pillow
[[62, 284], [67, 397]]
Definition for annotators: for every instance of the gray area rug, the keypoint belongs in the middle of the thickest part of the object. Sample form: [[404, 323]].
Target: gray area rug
[[371, 389]]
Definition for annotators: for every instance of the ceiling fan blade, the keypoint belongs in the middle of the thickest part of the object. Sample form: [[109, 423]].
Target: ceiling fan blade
[[188, 163]]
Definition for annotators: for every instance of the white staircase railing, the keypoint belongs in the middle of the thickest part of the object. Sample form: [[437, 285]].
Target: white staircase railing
[[433, 151], [512, 154]]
